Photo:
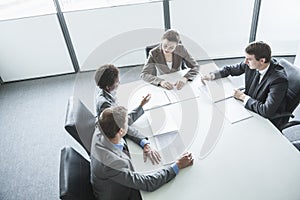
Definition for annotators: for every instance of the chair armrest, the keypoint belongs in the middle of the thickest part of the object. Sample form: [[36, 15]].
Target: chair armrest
[[290, 124], [297, 144]]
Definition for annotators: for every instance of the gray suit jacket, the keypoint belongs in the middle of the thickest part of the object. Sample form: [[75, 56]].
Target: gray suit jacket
[[113, 176], [268, 98], [106, 100], [156, 64]]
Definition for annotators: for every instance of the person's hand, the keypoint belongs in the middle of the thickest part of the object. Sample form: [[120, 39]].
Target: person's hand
[[166, 85], [238, 94], [185, 160], [145, 99], [208, 77], [152, 154], [180, 83]]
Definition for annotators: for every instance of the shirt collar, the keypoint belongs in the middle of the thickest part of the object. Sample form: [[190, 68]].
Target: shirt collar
[[120, 145], [262, 72]]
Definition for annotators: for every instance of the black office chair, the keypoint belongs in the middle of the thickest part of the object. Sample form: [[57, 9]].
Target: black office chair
[[291, 129], [148, 49], [74, 176], [80, 123]]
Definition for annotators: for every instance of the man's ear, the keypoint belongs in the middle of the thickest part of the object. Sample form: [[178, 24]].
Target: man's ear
[[262, 60]]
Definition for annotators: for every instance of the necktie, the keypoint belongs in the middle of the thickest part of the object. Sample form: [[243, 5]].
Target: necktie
[[126, 150], [254, 83]]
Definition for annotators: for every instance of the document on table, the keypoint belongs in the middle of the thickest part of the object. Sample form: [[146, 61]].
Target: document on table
[[218, 90], [165, 133], [221, 93], [233, 110], [158, 97]]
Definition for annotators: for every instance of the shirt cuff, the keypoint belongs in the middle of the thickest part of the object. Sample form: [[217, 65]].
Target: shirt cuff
[[246, 99], [175, 168], [212, 76], [144, 142]]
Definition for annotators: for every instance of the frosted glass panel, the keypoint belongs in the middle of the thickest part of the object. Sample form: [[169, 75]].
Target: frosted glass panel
[[32, 47], [279, 25], [115, 35], [11, 9], [221, 28], [72, 5]]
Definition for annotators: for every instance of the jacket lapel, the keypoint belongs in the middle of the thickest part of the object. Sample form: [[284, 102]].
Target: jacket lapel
[[263, 81]]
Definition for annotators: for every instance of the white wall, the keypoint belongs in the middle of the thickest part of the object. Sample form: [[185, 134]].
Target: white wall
[[32, 47], [115, 35], [279, 25], [220, 28]]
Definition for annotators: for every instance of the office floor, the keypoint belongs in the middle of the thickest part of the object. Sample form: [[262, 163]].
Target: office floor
[[32, 134]]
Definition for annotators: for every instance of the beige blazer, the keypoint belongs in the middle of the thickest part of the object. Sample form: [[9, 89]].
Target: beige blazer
[[156, 64]]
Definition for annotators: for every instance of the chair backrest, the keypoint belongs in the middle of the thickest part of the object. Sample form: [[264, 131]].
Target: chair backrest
[[293, 76], [148, 49], [80, 123], [74, 176]]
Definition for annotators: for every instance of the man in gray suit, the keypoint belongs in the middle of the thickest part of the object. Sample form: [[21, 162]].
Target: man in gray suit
[[266, 82], [112, 173]]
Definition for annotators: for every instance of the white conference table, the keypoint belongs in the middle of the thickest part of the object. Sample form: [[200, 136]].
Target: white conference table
[[246, 160]]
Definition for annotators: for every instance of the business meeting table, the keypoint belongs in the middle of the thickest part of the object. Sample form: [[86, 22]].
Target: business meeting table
[[236, 159]]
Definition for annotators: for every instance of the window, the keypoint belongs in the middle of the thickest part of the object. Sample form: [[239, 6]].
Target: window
[[72, 5], [13, 9]]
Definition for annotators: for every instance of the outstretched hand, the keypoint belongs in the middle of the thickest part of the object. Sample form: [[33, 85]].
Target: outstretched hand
[[206, 78], [152, 154], [145, 99]]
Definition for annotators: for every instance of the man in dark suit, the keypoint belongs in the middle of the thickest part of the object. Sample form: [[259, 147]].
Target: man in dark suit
[[112, 173], [266, 82]]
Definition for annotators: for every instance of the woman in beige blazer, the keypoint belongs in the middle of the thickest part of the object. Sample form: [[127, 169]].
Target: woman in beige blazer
[[167, 58]]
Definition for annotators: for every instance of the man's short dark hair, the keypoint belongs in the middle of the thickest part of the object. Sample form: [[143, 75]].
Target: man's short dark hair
[[106, 76], [111, 120], [259, 50]]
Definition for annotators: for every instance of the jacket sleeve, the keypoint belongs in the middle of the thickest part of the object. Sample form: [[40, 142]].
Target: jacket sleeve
[[135, 114], [149, 73], [232, 70], [134, 135], [191, 63], [119, 172], [276, 94]]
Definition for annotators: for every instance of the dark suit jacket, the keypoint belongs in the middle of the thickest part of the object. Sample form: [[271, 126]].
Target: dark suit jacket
[[113, 176], [268, 98], [105, 100], [156, 64]]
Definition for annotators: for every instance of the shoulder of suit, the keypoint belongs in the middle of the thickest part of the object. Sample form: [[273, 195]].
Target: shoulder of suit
[[278, 71], [155, 50]]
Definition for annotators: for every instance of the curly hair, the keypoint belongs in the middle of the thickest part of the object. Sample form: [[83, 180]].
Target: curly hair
[[106, 76]]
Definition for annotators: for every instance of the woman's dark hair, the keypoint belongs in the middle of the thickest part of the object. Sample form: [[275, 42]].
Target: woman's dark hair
[[106, 76]]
